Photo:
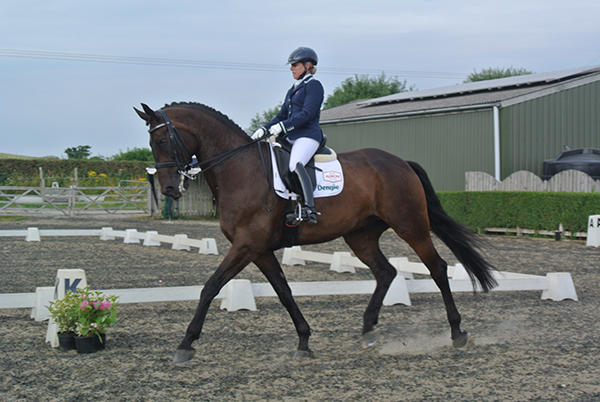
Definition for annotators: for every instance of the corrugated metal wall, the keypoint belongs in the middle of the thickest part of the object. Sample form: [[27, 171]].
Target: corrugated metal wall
[[539, 129], [446, 145]]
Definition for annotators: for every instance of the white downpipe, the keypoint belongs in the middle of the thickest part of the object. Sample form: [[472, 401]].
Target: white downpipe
[[497, 143]]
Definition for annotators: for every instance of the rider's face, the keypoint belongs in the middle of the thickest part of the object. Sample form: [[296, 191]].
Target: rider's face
[[297, 70]]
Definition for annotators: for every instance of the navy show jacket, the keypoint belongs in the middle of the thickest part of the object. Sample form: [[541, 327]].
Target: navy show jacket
[[301, 111]]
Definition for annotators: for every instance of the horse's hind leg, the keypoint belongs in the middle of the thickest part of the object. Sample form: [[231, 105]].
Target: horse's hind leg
[[438, 269], [269, 266], [365, 244]]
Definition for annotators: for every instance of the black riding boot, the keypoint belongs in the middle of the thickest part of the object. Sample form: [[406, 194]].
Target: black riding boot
[[308, 213]]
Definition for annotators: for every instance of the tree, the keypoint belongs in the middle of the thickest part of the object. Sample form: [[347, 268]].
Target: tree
[[365, 87], [260, 120], [78, 152], [494, 73], [135, 154]]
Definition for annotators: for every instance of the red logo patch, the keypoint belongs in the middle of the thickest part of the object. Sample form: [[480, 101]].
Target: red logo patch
[[332, 176]]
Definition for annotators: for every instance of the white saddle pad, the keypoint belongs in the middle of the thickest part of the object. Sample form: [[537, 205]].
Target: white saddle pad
[[330, 179]]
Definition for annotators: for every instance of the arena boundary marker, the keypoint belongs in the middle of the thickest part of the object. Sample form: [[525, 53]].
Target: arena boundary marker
[[555, 286], [150, 238]]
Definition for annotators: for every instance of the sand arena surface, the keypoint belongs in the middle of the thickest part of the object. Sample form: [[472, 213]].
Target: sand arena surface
[[526, 349]]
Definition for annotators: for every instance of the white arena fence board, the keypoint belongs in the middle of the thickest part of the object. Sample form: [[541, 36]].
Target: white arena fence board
[[150, 238], [240, 294], [554, 286]]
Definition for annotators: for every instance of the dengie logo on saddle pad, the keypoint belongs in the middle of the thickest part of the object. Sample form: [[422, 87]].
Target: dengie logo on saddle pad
[[329, 177]]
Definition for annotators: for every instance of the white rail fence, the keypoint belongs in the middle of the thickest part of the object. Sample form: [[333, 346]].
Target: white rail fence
[[150, 238], [240, 294]]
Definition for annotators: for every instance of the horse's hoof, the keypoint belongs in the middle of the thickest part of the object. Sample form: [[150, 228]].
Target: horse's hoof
[[462, 341], [370, 338], [301, 354], [183, 355]]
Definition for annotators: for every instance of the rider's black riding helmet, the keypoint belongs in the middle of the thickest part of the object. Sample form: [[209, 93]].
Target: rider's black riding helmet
[[303, 54]]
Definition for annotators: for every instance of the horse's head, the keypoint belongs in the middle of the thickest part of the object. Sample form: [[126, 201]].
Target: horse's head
[[172, 146]]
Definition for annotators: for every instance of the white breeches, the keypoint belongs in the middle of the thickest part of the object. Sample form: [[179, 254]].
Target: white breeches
[[302, 150]]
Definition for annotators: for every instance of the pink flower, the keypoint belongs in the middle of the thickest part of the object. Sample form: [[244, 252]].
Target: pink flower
[[83, 304], [104, 305], [94, 325]]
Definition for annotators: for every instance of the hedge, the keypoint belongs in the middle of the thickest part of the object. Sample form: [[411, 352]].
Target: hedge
[[16, 172], [526, 210]]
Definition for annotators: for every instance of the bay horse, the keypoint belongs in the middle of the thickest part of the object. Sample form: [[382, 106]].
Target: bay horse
[[381, 191]]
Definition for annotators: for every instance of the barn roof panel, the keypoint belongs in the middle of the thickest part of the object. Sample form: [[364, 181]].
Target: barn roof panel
[[473, 94]]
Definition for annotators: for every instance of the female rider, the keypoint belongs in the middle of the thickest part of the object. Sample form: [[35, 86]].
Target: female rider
[[298, 123]]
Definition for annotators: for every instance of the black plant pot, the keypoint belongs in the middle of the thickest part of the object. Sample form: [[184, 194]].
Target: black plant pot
[[90, 344], [100, 345], [66, 342], [85, 344]]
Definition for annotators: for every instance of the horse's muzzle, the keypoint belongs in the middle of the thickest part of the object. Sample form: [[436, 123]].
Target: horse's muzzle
[[172, 192]]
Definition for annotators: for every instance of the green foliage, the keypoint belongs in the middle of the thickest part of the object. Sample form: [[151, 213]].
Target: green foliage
[[364, 87], [64, 312], [95, 312], [260, 120], [135, 154], [84, 313], [527, 210], [13, 156], [78, 152], [493, 73]]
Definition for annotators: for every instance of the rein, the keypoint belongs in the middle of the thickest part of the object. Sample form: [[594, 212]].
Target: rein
[[181, 149]]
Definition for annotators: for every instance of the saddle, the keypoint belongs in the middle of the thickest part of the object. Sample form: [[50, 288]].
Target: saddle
[[282, 150]]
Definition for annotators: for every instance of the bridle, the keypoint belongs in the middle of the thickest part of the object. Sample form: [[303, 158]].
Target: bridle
[[181, 153]]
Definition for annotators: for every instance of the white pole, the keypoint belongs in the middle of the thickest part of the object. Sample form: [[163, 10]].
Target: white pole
[[497, 143]]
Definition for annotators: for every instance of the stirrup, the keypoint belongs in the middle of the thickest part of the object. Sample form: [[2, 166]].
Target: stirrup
[[309, 215], [302, 214]]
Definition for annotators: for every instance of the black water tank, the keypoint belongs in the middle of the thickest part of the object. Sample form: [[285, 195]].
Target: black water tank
[[585, 159]]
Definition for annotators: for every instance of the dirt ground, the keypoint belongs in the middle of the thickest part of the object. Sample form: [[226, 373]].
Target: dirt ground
[[526, 349]]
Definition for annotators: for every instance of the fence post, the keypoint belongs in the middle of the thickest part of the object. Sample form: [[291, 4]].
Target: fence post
[[42, 181], [73, 193]]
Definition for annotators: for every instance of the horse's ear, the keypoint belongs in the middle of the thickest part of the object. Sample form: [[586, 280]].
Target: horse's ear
[[147, 115]]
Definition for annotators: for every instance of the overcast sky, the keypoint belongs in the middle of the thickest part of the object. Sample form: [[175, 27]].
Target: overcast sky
[[71, 70]]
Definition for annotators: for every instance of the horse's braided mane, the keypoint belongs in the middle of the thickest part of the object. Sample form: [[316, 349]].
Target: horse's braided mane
[[208, 109]]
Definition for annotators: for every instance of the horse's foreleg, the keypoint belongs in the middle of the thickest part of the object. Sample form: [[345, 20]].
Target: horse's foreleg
[[233, 263], [270, 267], [365, 246]]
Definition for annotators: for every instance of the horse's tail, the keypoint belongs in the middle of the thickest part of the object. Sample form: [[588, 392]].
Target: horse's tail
[[461, 240]]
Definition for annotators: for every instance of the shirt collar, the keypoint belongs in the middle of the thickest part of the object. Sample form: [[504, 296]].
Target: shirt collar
[[301, 80]]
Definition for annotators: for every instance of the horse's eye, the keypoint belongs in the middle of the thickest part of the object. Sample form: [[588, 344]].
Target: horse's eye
[[161, 142]]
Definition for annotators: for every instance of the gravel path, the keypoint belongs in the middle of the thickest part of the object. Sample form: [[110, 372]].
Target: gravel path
[[526, 349]]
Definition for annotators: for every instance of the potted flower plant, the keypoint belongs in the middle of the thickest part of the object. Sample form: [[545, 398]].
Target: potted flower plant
[[95, 314], [64, 313]]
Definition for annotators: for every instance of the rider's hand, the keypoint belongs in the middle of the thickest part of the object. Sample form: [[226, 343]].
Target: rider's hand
[[276, 129], [259, 133]]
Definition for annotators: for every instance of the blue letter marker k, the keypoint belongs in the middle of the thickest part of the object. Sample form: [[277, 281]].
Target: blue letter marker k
[[73, 287]]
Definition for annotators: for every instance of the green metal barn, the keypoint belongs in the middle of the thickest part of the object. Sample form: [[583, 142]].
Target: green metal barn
[[499, 126]]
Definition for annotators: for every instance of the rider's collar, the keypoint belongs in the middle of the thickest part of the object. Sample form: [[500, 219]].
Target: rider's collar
[[306, 78]]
